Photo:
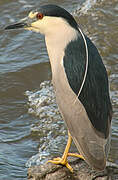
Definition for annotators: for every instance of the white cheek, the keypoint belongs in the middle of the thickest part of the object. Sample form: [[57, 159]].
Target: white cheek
[[39, 26], [48, 25]]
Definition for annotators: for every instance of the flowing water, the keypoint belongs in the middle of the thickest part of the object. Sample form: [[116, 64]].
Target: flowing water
[[24, 65]]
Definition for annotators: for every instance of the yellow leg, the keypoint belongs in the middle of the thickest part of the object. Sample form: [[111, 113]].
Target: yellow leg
[[76, 155], [63, 160], [66, 153]]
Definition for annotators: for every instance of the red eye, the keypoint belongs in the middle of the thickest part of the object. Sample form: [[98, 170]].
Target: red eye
[[39, 16]]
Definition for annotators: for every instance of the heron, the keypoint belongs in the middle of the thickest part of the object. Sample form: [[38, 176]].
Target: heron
[[80, 82]]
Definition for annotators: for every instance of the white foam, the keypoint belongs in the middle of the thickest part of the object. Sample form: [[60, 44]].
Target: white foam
[[42, 103]]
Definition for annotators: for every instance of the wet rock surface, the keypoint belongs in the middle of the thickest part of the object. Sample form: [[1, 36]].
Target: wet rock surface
[[82, 171]]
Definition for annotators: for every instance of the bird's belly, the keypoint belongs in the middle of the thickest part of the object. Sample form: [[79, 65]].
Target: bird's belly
[[89, 144]]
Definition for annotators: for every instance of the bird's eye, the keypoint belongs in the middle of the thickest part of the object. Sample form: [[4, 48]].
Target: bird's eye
[[39, 16]]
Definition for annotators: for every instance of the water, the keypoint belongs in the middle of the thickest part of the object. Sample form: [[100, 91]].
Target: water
[[24, 65]]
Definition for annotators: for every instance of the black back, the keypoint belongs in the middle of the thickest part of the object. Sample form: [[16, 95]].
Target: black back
[[95, 93]]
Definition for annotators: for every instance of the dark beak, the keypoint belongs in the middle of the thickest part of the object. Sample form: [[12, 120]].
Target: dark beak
[[15, 26], [24, 23]]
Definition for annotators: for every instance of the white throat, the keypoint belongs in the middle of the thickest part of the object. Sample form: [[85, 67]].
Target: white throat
[[56, 41]]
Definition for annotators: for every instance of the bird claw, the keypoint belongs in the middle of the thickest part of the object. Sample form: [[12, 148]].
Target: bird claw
[[64, 162], [61, 161]]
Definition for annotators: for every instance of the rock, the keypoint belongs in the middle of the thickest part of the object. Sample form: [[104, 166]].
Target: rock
[[43, 104], [82, 171]]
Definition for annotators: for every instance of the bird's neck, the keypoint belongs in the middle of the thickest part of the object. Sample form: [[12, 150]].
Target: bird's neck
[[56, 44]]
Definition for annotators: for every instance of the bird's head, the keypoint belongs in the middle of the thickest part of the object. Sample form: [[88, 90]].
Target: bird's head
[[46, 20]]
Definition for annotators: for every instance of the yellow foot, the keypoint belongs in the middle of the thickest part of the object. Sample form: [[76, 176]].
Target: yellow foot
[[76, 155], [61, 161]]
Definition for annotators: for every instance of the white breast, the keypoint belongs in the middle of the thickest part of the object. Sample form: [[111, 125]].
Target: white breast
[[56, 41]]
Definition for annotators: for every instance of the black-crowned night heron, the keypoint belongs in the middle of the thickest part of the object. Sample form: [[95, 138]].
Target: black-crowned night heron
[[80, 81]]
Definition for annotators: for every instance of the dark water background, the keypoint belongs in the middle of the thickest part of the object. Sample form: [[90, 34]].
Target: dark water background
[[24, 65]]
